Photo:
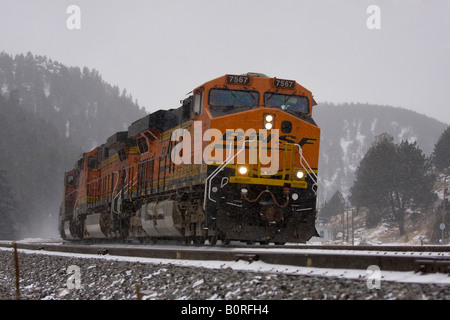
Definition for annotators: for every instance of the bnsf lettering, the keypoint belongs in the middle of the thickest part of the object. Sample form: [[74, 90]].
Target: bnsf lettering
[[288, 138], [241, 135], [306, 141]]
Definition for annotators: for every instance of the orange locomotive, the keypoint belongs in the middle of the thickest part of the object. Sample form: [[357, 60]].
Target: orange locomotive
[[237, 161]]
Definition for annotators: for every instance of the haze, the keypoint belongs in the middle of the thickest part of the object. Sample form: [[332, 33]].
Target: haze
[[160, 50]]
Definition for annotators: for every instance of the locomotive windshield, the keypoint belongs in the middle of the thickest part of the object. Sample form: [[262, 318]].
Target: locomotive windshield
[[225, 101], [298, 104]]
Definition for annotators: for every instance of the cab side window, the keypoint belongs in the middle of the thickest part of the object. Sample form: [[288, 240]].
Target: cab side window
[[69, 180], [92, 163], [198, 103]]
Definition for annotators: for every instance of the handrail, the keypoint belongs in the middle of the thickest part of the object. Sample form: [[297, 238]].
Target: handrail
[[307, 168], [118, 194], [310, 172], [216, 172]]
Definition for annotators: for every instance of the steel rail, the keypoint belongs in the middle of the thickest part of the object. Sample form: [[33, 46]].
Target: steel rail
[[304, 256]]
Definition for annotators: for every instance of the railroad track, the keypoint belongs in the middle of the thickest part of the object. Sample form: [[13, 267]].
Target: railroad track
[[426, 259]]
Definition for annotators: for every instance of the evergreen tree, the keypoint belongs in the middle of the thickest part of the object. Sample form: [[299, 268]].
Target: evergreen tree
[[372, 179], [335, 206], [392, 178], [413, 181], [441, 153], [9, 211], [441, 160]]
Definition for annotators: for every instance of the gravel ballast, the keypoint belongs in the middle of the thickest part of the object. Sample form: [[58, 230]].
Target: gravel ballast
[[53, 277]]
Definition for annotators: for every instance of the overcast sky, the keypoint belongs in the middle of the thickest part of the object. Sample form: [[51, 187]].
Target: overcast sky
[[160, 50]]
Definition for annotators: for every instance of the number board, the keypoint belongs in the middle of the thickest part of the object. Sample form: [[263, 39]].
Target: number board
[[282, 83], [235, 79]]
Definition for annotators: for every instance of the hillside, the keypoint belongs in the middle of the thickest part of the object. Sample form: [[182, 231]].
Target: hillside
[[49, 115], [78, 102], [418, 230], [348, 130]]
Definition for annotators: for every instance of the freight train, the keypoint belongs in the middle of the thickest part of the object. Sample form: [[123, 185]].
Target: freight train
[[237, 161]]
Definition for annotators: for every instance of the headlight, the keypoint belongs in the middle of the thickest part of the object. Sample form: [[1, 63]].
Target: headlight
[[242, 170], [299, 174], [268, 121]]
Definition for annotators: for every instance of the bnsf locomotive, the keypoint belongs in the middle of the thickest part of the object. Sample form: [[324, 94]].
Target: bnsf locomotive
[[237, 161]]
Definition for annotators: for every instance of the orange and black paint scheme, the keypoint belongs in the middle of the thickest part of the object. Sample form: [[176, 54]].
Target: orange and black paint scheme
[[132, 187]]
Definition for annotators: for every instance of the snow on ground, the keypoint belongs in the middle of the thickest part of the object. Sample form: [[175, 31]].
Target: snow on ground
[[259, 266]]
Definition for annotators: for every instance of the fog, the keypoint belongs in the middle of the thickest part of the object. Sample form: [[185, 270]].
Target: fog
[[160, 50]]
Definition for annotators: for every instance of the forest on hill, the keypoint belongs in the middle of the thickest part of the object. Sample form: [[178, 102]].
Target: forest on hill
[[348, 130], [49, 115]]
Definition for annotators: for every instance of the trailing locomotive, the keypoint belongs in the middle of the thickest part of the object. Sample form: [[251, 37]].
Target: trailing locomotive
[[237, 161]]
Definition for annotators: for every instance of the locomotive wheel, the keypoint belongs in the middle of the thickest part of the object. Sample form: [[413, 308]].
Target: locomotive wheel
[[199, 240], [213, 240]]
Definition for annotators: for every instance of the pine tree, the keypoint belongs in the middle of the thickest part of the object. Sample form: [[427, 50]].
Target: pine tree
[[8, 210], [335, 206], [441, 153], [392, 178], [441, 160], [413, 181]]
